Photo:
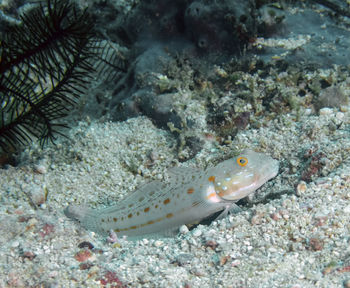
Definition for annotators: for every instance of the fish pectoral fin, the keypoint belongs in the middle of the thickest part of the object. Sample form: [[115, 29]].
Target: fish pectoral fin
[[230, 209]]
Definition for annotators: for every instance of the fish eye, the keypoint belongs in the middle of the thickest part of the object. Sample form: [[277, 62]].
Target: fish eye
[[242, 161]]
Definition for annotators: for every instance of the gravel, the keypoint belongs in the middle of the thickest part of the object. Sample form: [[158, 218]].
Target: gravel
[[293, 233]]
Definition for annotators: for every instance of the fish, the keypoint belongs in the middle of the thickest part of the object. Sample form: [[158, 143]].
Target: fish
[[190, 195]]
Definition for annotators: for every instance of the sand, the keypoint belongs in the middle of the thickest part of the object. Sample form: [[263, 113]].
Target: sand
[[294, 232], [299, 239]]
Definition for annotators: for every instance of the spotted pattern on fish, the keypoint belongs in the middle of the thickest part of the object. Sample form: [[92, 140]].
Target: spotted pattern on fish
[[190, 196]]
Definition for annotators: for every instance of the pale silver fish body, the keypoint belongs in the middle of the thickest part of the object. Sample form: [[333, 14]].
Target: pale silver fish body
[[190, 196]]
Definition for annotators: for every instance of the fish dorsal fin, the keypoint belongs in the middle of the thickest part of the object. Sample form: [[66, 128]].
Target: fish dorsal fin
[[184, 175], [178, 176], [148, 190]]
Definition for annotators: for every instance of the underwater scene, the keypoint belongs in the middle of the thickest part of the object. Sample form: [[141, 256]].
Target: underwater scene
[[183, 143]]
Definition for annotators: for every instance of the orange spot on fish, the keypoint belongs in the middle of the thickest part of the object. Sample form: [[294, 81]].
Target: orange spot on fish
[[190, 190], [166, 201], [211, 179], [115, 219], [169, 215], [146, 209], [211, 195], [130, 215]]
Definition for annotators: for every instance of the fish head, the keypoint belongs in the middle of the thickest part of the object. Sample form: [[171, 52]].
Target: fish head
[[240, 176]]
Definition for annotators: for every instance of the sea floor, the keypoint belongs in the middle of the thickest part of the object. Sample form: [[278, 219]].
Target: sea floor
[[293, 233]]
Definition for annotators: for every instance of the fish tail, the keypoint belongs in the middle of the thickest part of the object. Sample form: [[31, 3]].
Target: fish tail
[[84, 215]]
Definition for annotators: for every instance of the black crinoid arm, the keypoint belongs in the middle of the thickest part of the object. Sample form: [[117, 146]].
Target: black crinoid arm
[[45, 65]]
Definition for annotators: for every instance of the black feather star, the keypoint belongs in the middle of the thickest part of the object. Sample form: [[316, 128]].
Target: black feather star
[[45, 65]]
